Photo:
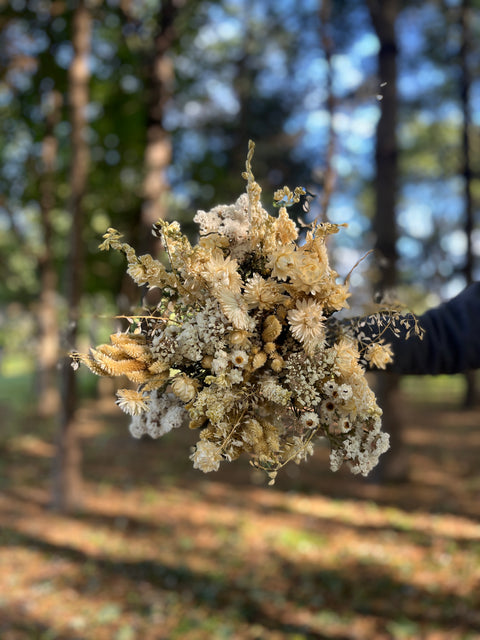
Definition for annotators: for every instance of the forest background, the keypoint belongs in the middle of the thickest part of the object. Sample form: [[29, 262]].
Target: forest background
[[117, 113]]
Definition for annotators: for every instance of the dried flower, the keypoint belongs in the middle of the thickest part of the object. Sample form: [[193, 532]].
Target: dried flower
[[282, 261], [307, 322], [243, 335], [132, 402], [261, 293], [184, 388], [206, 457], [379, 354]]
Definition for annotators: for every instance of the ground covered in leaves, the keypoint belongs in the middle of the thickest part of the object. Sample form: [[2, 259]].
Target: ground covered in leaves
[[163, 552]]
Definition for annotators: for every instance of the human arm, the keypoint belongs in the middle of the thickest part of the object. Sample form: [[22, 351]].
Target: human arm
[[450, 343]]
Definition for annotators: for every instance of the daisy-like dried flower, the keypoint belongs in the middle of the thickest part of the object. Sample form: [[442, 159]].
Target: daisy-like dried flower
[[308, 275], [309, 420], [219, 271], [239, 358], [132, 402], [307, 323], [337, 298]]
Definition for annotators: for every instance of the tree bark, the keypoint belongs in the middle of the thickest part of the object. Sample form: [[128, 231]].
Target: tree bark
[[329, 175], [158, 148], [158, 151], [383, 14], [48, 340], [393, 464], [467, 172], [67, 480]]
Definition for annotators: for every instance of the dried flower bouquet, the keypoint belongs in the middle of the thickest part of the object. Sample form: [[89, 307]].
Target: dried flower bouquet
[[243, 345]]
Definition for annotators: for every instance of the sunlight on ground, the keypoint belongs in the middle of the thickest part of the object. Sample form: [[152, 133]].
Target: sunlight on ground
[[161, 551]]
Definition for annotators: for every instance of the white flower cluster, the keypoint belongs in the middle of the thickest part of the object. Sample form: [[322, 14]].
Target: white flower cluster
[[165, 412], [230, 221]]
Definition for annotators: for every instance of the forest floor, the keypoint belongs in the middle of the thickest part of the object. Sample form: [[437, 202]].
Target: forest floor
[[160, 551]]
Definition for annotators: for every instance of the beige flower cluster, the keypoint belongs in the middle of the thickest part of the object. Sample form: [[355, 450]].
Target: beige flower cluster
[[242, 342]]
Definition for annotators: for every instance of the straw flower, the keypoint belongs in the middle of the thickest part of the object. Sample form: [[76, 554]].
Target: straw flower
[[206, 457], [264, 294], [221, 271], [233, 306], [379, 354], [239, 358], [184, 388], [309, 420], [282, 262], [346, 357], [309, 274], [132, 402], [307, 322]]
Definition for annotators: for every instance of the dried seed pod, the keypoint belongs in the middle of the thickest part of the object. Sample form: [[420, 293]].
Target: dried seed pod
[[116, 367], [259, 360], [277, 364], [93, 365], [269, 347], [117, 353], [120, 338], [239, 337], [207, 361], [158, 366], [271, 329], [137, 351]]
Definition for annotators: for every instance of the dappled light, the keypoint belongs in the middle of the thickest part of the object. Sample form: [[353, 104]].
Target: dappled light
[[159, 551]]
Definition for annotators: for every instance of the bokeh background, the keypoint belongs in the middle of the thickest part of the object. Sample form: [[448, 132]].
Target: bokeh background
[[117, 113]]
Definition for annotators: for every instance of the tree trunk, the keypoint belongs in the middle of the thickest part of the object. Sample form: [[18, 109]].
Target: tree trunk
[[158, 149], [383, 14], [67, 480], [48, 340], [467, 173], [325, 12]]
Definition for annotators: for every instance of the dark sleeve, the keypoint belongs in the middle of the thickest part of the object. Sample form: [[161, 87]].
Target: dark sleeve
[[451, 342]]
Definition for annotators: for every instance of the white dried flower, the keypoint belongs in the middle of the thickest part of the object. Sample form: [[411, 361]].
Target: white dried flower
[[379, 354], [206, 457], [184, 388], [137, 426], [219, 362], [307, 322], [239, 358], [309, 420], [132, 402]]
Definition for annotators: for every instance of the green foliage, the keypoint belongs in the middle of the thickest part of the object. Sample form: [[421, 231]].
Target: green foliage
[[241, 72]]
